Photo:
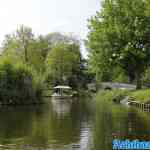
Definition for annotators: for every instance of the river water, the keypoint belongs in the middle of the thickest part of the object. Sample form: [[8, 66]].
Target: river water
[[78, 125]]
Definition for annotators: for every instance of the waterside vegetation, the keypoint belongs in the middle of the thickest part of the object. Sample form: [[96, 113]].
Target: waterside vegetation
[[117, 95], [29, 64], [118, 41], [118, 46]]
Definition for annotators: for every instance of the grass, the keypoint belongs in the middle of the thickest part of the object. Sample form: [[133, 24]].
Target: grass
[[141, 95], [112, 95]]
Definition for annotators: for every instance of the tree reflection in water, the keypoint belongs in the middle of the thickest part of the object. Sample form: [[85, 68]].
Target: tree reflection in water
[[54, 126]]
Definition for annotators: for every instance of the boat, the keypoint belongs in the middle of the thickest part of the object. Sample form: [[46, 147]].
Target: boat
[[62, 92]]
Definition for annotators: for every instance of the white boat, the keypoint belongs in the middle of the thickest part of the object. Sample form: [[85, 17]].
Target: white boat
[[62, 92]]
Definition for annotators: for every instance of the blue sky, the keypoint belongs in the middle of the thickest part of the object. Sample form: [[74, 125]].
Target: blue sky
[[45, 16]]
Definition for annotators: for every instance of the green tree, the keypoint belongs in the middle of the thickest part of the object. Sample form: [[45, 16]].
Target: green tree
[[63, 63], [23, 46], [18, 84], [119, 35], [19, 42]]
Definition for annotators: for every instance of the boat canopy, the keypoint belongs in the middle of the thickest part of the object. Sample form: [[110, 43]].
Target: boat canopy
[[62, 87]]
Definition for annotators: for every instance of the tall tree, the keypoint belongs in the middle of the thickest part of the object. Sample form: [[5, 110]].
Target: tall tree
[[120, 35], [19, 41], [63, 63], [23, 46]]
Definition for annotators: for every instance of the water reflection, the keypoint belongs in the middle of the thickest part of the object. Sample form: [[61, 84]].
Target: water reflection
[[70, 125], [119, 122], [61, 106], [56, 126]]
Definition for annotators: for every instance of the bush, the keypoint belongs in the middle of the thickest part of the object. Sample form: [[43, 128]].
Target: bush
[[119, 76], [146, 77], [18, 84], [142, 96], [113, 95]]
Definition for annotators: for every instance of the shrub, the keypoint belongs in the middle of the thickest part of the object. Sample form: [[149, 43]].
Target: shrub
[[17, 84], [142, 96], [146, 77], [114, 95]]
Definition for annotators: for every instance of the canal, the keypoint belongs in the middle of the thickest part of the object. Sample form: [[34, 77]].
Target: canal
[[80, 125]]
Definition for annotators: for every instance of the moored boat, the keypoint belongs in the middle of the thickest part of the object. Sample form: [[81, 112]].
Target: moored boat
[[62, 92]]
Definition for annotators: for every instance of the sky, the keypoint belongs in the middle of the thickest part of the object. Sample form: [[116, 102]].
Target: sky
[[46, 16]]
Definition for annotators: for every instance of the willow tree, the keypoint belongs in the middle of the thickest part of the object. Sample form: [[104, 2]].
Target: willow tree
[[120, 35]]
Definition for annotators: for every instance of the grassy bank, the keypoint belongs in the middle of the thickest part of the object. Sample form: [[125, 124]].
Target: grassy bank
[[142, 96], [112, 95]]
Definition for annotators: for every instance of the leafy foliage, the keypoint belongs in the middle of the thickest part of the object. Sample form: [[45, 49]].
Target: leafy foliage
[[29, 63], [63, 64], [19, 42], [112, 96], [119, 35], [17, 84], [146, 77]]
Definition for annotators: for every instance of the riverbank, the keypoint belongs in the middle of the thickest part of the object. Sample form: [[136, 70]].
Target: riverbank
[[141, 96], [112, 95]]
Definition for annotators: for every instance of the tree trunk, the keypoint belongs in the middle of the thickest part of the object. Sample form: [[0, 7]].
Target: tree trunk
[[138, 81], [26, 55]]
